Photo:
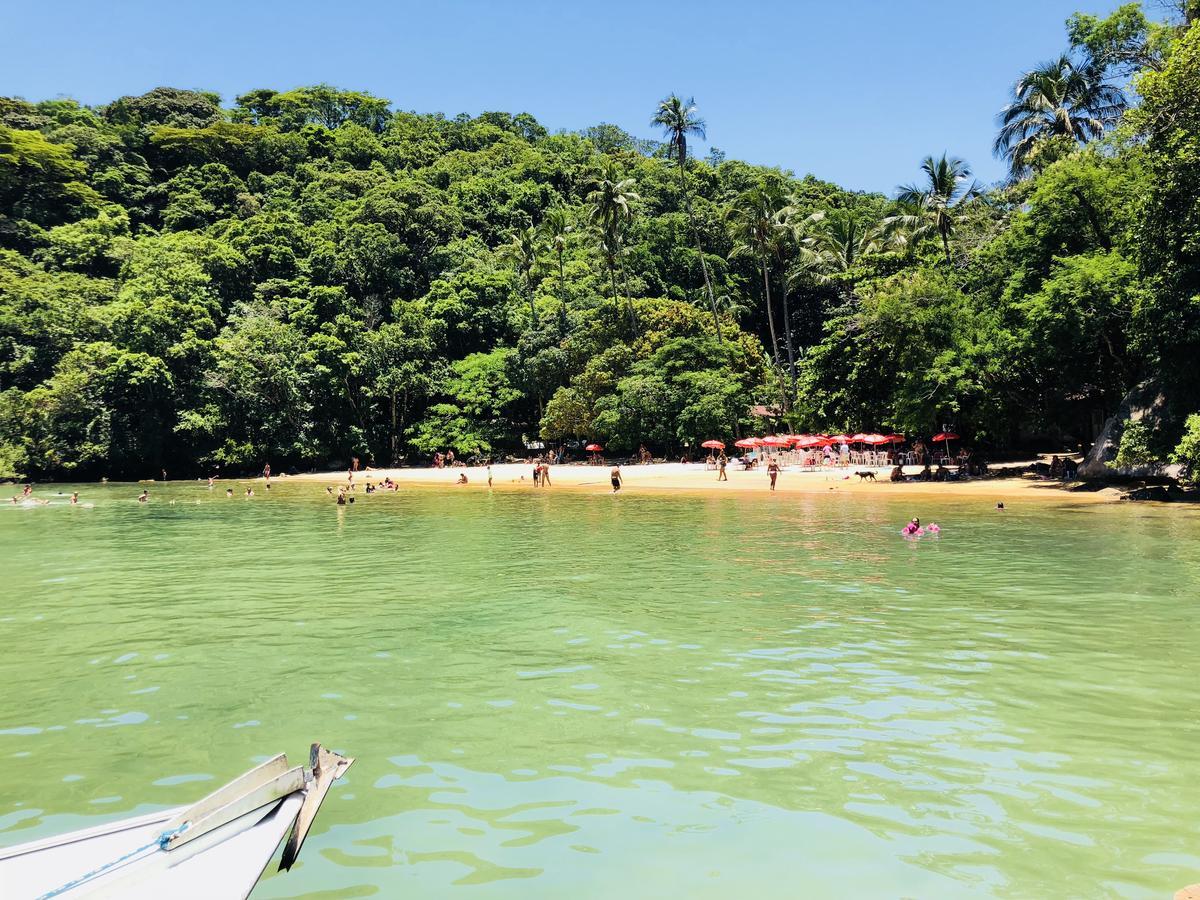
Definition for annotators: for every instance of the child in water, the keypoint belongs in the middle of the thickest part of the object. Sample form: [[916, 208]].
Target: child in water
[[914, 528]]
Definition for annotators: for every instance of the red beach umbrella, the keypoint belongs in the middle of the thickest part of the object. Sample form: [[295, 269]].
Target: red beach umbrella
[[895, 438], [946, 436], [777, 441], [858, 437], [747, 443], [874, 439], [593, 448], [714, 445], [840, 438]]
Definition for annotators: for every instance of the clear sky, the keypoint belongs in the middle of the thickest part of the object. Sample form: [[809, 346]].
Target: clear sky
[[854, 91]]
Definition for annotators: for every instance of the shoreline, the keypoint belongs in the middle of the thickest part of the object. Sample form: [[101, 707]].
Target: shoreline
[[695, 478]]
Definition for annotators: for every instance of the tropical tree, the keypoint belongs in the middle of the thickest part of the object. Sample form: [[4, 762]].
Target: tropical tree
[[933, 207], [1061, 102], [523, 251], [678, 119], [555, 227], [610, 210], [754, 221], [839, 239]]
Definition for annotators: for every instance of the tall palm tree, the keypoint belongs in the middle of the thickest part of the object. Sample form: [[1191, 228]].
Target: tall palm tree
[[678, 120], [555, 228], [840, 238], [932, 207], [755, 228], [786, 245], [1062, 98], [523, 252], [610, 210]]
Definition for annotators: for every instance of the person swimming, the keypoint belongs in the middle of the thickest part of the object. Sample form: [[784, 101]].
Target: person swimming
[[913, 528], [228, 492], [934, 528], [145, 496], [74, 497]]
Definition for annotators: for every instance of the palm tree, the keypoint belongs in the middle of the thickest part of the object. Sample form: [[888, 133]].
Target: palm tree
[[839, 239], [523, 251], [755, 227], [555, 228], [932, 208], [786, 242], [1061, 99], [678, 120], [611, 210]]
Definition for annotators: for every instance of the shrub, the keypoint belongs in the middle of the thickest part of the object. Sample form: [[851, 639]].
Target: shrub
[[1187, 452], [1137, 446]]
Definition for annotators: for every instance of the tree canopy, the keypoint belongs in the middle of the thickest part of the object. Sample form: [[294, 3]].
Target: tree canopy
[[312, 273]]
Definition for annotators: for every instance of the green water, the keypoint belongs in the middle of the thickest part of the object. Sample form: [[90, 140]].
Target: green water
[[563, 694]]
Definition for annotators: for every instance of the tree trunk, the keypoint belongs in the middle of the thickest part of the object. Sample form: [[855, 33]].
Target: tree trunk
[[629, 299], [771, 325], [532, 307], [562, 296], [394, 437], [787, 337], [687, 202], [612, 277], [770, 314], [946, 246]]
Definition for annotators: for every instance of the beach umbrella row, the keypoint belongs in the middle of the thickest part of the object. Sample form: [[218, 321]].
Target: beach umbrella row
[[808, 441]]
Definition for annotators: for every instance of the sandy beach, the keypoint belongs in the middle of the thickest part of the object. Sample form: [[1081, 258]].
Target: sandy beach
[[696, 478]]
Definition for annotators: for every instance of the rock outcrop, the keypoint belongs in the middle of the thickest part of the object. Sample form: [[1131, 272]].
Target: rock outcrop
[[1146, 401]]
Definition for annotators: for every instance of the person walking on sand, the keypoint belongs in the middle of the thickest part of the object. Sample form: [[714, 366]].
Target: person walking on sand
[[489, 475], [722, 462], [545, 467], [615, 476], [267, 474], [537, 474], [773, 471]]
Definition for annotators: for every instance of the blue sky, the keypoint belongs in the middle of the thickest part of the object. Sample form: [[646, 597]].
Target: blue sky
[[856, 91]]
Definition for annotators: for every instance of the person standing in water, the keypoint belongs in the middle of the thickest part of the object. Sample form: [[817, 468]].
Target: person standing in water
[[545, 468], [773, 471], [145, 496], [74, 497], [489, 475], [267, 474], [615, 476]]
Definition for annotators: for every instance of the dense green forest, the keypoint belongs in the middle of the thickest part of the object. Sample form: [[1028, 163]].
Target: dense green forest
[[311, 274]]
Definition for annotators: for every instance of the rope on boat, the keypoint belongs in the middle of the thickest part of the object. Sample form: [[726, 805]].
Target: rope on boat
[[160, 842]]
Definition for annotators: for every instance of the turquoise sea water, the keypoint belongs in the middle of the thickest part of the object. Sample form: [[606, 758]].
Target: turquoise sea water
[[566, 693]]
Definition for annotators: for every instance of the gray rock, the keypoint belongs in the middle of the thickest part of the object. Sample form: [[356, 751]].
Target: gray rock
[[1146, 401]]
